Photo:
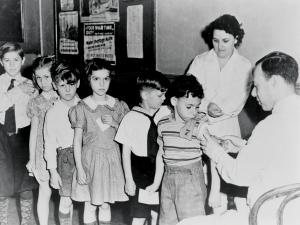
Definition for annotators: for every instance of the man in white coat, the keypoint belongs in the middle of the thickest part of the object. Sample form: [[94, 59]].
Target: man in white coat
[[271, 158]]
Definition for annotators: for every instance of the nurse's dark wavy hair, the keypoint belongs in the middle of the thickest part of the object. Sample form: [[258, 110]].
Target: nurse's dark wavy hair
[[279, 63], [226, 22]]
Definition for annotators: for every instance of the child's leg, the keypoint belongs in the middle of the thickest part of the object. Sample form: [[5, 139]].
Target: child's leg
[[4, 201], [65, 211], [154, 217], [138, 221], [223, 206], [26, 204], [104, 213], [89, 214], [43, 202]]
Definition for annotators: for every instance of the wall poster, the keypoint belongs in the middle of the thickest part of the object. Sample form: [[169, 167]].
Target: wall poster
[[68, 33], [66, 5], [99, 41], [99, 10]]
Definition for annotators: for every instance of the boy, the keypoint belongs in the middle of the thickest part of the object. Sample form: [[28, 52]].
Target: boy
[[178, 161], [138, 133], [58, 136], [15, 92]]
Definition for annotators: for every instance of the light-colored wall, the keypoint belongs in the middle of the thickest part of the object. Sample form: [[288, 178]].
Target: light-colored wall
[[269, 25]]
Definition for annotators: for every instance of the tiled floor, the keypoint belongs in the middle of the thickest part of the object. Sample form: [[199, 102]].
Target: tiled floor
[[119, 213]]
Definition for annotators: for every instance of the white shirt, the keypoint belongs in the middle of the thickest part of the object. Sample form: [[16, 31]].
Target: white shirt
[[228, 88], [272, 156], [16, 97], [57, 131], [133, 129]]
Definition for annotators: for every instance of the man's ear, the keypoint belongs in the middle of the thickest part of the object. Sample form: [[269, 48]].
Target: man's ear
[[78, 84], [275, 80], [173, 101]]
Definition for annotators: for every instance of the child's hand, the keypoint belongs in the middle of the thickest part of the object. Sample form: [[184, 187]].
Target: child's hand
[[55, 180], [27, 88], [81, 176], [130, 188], [152, 188], [30, 166], [214, 199], [109, 120]]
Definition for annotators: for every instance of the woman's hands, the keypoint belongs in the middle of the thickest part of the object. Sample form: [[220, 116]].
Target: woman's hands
[[213, 110]]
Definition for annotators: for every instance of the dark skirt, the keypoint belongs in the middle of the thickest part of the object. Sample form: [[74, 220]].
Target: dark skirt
[[14, 155]]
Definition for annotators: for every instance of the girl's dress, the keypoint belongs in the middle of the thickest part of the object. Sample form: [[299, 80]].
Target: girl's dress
[[100, 155], [38, 107]]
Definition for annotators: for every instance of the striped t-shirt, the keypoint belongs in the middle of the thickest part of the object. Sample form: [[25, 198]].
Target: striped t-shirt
[[177, 151]]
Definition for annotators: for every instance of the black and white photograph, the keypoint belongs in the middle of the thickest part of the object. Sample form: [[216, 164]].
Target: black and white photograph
[[149, 112]]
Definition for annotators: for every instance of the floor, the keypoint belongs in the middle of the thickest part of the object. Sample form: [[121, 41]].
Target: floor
[[119, 212]]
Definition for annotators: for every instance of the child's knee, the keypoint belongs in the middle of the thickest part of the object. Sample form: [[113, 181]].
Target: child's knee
[[105, 206], [65, 204]]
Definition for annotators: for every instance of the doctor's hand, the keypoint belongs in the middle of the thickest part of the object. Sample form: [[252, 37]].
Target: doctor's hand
[[210, 145], [232, 144], [214, 110]]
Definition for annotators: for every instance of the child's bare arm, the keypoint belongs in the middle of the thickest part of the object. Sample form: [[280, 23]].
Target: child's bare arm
[[126, 158], [77, 143], [32, 143], [159, 171], [214, 199]]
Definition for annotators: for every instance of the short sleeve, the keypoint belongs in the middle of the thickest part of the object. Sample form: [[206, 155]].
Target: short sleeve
[[32, 108], [122, 110], [77, 117]]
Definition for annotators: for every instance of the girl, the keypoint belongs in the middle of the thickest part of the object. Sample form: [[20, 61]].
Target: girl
[[97, 156], [36, 110], [15, 92]]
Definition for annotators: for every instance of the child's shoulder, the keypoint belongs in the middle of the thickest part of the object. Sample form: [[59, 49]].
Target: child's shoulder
[[164, 120]]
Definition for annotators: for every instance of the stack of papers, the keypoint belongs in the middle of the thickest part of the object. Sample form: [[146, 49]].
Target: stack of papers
[[147, 197]]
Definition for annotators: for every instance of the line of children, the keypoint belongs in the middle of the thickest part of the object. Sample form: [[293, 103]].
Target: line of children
[[179, 162], [137, 134], [36, 111], [15, 92], [80, 148], [98, 161], [58, 135]]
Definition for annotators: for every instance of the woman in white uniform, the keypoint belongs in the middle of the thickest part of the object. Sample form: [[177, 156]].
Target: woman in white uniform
[[225, 77]]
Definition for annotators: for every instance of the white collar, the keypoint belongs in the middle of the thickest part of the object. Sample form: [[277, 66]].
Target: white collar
[[18, 77], [93, 104]]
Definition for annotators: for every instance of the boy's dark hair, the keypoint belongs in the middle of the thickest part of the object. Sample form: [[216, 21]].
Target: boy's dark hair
[[279, 63], [96, 64], [62, 70], [151, 79], [40, 62], [185, 85], [11, 47]]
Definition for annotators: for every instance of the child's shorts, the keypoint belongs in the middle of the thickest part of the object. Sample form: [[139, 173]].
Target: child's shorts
[[183, 193], [65, 167], [143, 170]]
